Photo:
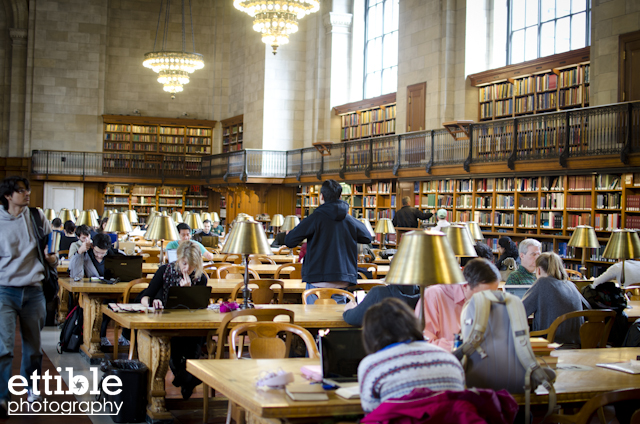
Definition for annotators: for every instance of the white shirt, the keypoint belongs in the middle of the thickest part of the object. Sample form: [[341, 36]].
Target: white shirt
[[441, 224], [631, 273]]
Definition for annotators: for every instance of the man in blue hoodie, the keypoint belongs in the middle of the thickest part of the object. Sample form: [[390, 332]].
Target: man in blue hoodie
[[332, 241]]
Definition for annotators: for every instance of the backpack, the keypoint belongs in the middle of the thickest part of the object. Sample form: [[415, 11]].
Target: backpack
[[609, 296], [511, 265], [71, 333], [491, 321], [632, 338]]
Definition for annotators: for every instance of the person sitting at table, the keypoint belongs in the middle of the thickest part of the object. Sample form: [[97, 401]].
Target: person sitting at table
[[399, 359], [529, 250], [442, 220], [552, 295], [68, 237], [614, 272], [56, 225], [207, 230], [186, 271], [83, 232], [184, 231], [443, 303], [482, 250], [354, 312], [507, 248], [217, 229]]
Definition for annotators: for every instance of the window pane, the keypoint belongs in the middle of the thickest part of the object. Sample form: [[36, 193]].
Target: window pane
[[517, 15], [390, 50], [531, 48], [374, 55], [372, 85], [390, 80], [390, 15], [517, 47], [532, 12], [547, 39], [578, 5], [374, 22], [548, 10], [562, 35], [562, 7], [578, 31], [373, 2]]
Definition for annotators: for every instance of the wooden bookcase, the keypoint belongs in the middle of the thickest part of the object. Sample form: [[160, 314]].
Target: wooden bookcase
[[196, 199], [170, 199], [232, 136], [368, 118]]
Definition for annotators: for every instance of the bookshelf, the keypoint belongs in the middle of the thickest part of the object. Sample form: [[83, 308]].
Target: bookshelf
[[196, 198], [143, 198], [368, 118], [170, 199], [116, 197], [232, 134]]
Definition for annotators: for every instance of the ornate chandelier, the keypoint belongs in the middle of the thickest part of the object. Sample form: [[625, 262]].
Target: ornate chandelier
[[276, 19], [173, 68]]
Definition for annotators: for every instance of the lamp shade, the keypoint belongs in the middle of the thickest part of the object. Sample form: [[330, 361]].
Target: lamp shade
[[75, 213], [290, 222], [94, 213], [247, 237], [50, 214], [204, 216], [194, 221], [132, 215], [215, 217], [87, 218], [118, 223], [162, 228], [241, 217], [623, 244], [152, 216], [277, 220], [474, 230], [584, 236], [384, 226], [66, 215], [460, 241], [107, 213], [424, 258], [367, 224], [177, 217]]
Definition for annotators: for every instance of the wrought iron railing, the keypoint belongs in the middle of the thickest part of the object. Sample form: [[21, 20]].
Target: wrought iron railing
[[601, 130]]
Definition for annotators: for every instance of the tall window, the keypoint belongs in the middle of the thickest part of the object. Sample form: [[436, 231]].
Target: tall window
[[541, 28], [381, 47]]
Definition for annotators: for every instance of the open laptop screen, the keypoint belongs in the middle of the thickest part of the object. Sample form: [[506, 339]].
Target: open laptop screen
[[341, 351]]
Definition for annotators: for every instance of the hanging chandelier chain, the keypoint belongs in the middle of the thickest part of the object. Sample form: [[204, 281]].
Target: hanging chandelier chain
[[155, 40], [193, 38], [166, 26], [183, 37]]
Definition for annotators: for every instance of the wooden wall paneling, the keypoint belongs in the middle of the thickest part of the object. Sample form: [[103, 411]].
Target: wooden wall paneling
[[37, 194], [416, 104], [280, 199], [629, 69], [405, 189], [94, 196]]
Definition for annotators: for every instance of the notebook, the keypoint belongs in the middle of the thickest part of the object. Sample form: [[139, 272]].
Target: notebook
[[341, 351], [194, 297], [122, 268]]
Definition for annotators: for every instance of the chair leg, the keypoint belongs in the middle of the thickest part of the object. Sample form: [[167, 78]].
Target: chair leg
[[132, 344], [601, 417], [229, 413], [205, 402], [116, 336]]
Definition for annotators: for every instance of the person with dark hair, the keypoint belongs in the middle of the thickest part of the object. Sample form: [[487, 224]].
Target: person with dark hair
[[398, 358], [354, 313], [443, 303], [408, 216], [56, 224], [69, 236], [332, 241], [507, 248], [184, 231], [21, 286], [482, 250], [83, 232], [207, 230]]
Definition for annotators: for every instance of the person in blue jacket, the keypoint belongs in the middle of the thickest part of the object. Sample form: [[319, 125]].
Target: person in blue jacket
[[332, 241]]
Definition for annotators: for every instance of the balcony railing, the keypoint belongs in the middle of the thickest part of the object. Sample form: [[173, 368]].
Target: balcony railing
[[601, 130]]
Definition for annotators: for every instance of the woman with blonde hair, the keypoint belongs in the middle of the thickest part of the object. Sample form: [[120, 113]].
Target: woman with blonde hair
[[186, 271], [552, 295]]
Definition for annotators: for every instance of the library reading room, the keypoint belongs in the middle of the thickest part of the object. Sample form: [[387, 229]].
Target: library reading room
[[320, 211]]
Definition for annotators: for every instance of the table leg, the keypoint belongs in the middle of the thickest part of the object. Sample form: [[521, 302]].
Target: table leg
[[63, 305], [154, 351], [92, 315]]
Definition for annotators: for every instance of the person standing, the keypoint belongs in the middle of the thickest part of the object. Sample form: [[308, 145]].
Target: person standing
[[408, 216], [21, 286], [332, 241]]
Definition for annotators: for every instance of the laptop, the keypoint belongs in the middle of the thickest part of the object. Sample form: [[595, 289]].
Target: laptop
[[341, 351], [210, 241], [194, 297], [517, 289], [172, 255], [122, 268]]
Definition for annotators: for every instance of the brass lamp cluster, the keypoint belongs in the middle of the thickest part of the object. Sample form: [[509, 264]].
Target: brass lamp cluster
[[162, 227], [584, 237], [623, 244], [384, 226]]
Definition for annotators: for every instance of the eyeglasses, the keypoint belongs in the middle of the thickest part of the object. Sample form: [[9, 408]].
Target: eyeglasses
[[23, 191]]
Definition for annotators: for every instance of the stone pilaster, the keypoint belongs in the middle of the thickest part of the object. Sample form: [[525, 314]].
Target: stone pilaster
[[18, 90]]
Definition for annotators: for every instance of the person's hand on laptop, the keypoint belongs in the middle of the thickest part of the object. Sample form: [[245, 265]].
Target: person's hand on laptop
[[157, 303]]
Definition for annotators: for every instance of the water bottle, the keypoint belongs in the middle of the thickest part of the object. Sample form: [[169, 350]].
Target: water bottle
[[457, 341]]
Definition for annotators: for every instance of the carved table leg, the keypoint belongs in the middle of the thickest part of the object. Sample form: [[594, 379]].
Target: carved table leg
[[154, 351], [92, 315]]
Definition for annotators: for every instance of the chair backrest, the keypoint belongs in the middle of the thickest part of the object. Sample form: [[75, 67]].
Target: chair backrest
[[150, 258], [212, 250], [324, 295], [361, 276], [64, 253], [595, 330], [296, 273], [127, 291], [284, 250], [233, 258], [296, 251], [234, 271], [373, 268], [369, 286], [376, 253], [573, 274], [591, 407], [266, 314], [258, 260], [261, 291], [265, 343]]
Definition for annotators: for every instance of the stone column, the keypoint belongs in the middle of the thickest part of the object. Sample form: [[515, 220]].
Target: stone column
[[17, 90]]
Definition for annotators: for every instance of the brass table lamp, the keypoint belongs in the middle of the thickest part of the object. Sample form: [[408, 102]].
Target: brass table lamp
[[247, 238], [162, 228], [106, 213], [474, 230], [95, 214], [460, 241], [118, 223], [215, 217], [133, 216], [204, 216], [66, 215], [384, 226], [87, 218], [276, 222], [367, 224], [50, 214], [241, 217], [585, 237], [424, 258], [290, 222], [177, 217], [623, 244], [194, 221], [75, 213]]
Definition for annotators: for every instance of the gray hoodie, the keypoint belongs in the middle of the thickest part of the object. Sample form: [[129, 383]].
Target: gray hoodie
[[20, 265]]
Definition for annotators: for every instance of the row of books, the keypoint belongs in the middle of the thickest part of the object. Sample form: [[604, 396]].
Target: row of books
[[463, 186], [527, 202], [571, 97], [116, 200], [197, 140], [170, 202], [171, 139], [144, 129], [116, 189], [142, 200], [486, 110], [546, 82], [169, 148], [528, 220], [144, 190], [483, 202], [350, 120], [372, 116], [445, 201], [108, 145], [547, 100], [607, 222], [578, 219], [198, 149], [552, 201], [486, 93], [553, 183], [505, 201], [505, 184], [369, 201], [310, 201], [484, 184], [145, 147], [524, 85], [172, 130], [117, 136], [527, 184], [144, 138], [201, 203], [504, 90], [117, 127], [504, 107], [607, 182], [463, 216], [503, 219], [482, 218], [633, 202], [551, 220], [632, 221], [580, 182], [609, 201], [571, 77], [524, 104], [578, 201], [170, 191], [464, 201], [377, 128], [203, 132]]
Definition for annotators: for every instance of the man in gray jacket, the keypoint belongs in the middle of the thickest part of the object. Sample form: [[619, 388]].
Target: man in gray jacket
[[21, 276]]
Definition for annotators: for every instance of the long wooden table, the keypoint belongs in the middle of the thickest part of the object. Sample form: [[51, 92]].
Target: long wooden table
[[239, 386], [147, 268], [268, 270], [156, 330]]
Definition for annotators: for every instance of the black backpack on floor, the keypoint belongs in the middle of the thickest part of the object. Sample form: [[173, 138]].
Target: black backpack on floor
[[71, 333]]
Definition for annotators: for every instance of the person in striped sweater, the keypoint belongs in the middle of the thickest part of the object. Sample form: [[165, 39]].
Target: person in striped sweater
[[399, 359]]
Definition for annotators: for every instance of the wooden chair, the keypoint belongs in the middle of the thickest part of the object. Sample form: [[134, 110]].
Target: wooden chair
[[212, 250], [259, 260], [235, 271], [222, 334], [296, 274], [373, 268], [593, 333], [263, 294], [116, 329], [284, 250], [265, 343], [361, 276], [632, 292], [296, 251], [574, 275], [368, 286], [592, 406], [324, 295], [376, 253], [150, 259], [64, 253], [233, 258]]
